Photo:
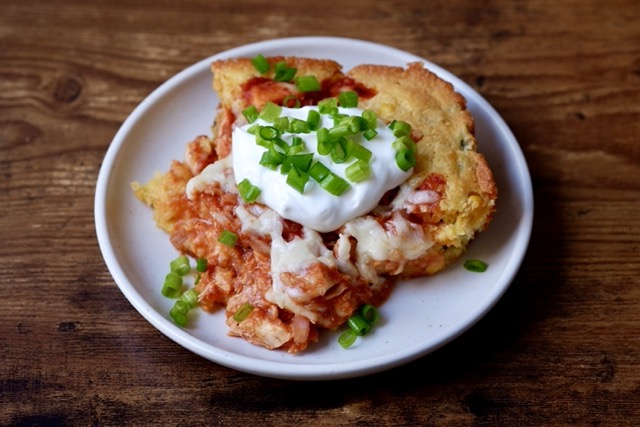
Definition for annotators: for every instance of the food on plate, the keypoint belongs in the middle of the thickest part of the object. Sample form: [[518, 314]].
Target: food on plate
[[319, 189]]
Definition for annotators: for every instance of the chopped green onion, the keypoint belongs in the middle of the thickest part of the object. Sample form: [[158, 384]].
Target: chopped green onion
[[270, 112], [400, 128], [405, 160], [307, 84], [253, 128], [359, 151], [190, 296], [248, 191], [284, 73], [250, 113], [333, 184], [348, 99], [297, 145], [299, 126], [301, 161], [339, 151], [281, 123], [370, 314], [271, 159], [358, 171], [228, 238], [371, 118], [201, 265], [359, 325], [325, 143], [269, 133], [328, 106], [297, 179], [180, 265], [369, 134], [404, 143], [286, 102], [172, 285], [318, 171], [347, 338], [340, 130], [313, 119], [260, 63], [242, 312], [179, 312], [475, 265]]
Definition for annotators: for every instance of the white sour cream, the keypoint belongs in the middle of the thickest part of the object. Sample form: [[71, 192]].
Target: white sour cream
[[317, 208]]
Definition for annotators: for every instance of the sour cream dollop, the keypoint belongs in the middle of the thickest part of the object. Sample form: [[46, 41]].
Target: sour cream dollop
[[316, 208]]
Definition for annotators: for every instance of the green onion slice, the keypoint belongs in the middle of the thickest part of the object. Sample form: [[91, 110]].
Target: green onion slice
[[201, 265], [371, 119], [313, 119], [318, 171], [250, 113], [400, 128], [172, 285], [297, 179], [348, 99], [228, 238], [325, 142], [333, 184], [359, 151], [370, 314], [358, 171], [291, 101], [248, 191], [270, 112], [307, 84], [284, 73], [268, 133], [190, 296], [260, 63], [347, 338], [475, 265], [359, 325], [404, 143], [179, 312], [180, 265], [281, 123], [242, 312], [405, 160], [369, 134], [339, 153], [328, 106]]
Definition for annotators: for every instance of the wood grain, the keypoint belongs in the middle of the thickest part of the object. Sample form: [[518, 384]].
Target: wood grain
[[561, 348]]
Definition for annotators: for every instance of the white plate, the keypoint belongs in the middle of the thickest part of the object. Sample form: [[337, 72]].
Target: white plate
[[421, 315]]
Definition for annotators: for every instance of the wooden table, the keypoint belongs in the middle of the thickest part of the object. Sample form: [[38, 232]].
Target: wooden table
[[561, 347]]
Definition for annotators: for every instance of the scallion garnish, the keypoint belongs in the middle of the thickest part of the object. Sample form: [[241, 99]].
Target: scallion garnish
[[369, 134], [318, 171], [179, 312], [359, 151], [400, 128], [325, 142], [328, 106], [405, 160], [298, 126], [339, 151], [359, 325], [475, 265], [289, 99], [307, 84], [201, 265], [404, 143], [371, 119], [242, 312], [270, 112], [370, 314], [301, 161], [348, 99], [248, 191], [297, 179], [297, 145], [228, 238], [334, 184], [180, 265], [272, 159], [281, 123], [347, 338], [260, 63], [172, 285], [190, 296], [284, 73], [313, 119], [358, 171], [250, 113], [268, 133]]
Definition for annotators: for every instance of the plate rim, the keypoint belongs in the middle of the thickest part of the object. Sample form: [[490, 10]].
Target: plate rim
[[283, 370]]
